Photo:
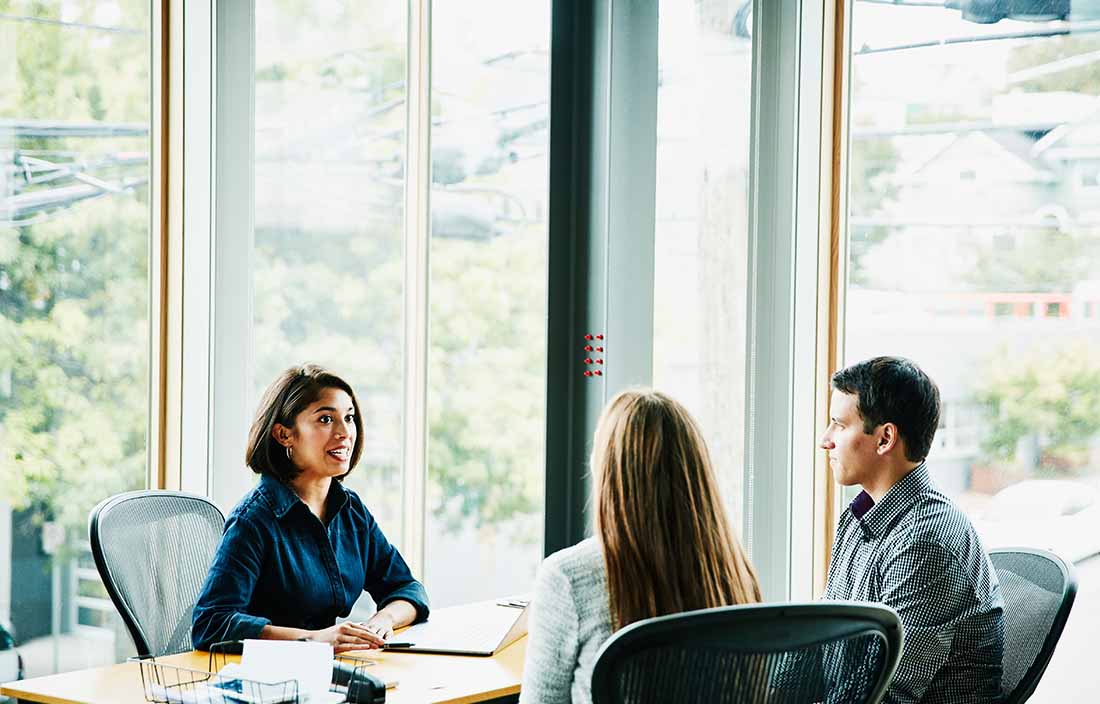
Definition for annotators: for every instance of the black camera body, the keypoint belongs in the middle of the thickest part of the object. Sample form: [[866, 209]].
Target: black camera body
[[363, 687]]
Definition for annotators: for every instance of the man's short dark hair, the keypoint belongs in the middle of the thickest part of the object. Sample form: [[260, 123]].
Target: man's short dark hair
[[290, 394], [895, 390]]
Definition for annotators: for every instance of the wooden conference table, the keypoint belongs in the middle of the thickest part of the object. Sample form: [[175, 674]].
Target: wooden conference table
[[437, 679]]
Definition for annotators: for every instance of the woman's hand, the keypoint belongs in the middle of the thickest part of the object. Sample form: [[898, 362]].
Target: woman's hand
[[350, 635], [381, 624]]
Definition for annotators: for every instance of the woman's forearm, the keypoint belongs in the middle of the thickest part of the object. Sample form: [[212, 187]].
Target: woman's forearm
[[283, 633], [400, 611]]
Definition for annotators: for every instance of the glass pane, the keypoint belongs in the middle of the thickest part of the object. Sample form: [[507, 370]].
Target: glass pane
[[973, 242], [701, 238], [329, 179], [487, 360], [74, 318]]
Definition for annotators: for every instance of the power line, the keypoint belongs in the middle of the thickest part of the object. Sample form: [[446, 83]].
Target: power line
[[21, 127], [1064, 29], [907, 3], [1070, 62], [71, 25], [922, 129]]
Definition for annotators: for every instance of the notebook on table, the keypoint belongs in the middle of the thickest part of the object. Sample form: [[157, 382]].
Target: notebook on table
[[465, 631]]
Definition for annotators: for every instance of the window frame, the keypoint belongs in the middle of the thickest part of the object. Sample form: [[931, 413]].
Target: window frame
[[181, 271], [788, 517], [603, 146], [213, 395], [788, 251], [603, 151], [418, 218]]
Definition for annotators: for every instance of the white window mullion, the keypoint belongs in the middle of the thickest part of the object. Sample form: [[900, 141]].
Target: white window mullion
[[812, 123], [189, 441], [783, 308], [417, 241], [231, 316], [156, 476]]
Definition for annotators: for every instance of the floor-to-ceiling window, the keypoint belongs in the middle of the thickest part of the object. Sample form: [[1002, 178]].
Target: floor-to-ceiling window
[[75, 109], [700, 281], [327, 255], [973, 236], [335, 88], [488, 289]]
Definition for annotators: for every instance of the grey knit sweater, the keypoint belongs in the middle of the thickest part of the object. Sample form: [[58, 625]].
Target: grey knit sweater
[[569, 621]]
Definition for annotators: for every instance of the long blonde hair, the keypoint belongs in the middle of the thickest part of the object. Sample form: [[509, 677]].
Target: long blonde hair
[[667, 542]]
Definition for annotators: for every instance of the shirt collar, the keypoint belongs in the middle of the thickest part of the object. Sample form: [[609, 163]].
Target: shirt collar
[[282, 498], [876, 517], [861, 504]]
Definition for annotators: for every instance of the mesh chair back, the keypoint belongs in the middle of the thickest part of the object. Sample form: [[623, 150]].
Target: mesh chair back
[[152, 550], [1038, 589], [781, 654]]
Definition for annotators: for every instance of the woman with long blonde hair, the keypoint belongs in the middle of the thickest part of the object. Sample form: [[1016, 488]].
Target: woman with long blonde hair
[[663, 545]]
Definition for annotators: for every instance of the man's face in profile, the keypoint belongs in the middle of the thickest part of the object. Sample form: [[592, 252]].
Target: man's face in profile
[[851, 451]]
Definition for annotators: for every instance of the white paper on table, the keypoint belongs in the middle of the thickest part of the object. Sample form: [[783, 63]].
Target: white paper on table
[[279, 660]]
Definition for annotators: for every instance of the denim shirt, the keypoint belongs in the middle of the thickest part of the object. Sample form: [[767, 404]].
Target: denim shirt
[[279, 564]]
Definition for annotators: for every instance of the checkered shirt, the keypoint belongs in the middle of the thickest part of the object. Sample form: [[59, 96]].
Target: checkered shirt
[[916, 552]]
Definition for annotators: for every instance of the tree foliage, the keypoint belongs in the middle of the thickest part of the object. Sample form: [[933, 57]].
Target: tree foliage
[[872, 188], [1039, 260], [872, 164], [74, 286], [328, 288], [487, 378], [1050, 395], [74, 282]]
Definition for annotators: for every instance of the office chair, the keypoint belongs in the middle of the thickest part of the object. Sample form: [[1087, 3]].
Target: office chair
[[152, 550], [1038, 588], [776, 653]]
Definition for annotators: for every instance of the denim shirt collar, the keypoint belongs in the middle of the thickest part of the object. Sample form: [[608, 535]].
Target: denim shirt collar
[[877, 517], [282, 498]]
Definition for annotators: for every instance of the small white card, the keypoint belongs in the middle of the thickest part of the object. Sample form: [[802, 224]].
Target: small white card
[[279, 660]]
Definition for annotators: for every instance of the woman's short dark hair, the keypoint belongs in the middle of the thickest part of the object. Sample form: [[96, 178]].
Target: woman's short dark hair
[[286, 397], [895, 390]]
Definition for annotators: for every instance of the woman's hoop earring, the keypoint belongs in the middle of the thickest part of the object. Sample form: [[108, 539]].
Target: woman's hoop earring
[[289, 452]]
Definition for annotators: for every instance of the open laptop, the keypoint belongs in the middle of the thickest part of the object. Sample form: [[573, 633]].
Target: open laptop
[[465, 631]]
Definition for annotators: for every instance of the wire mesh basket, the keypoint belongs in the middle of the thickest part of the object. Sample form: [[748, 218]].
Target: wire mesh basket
[[166, 683]]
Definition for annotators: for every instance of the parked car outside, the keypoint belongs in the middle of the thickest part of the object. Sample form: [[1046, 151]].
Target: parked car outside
[[1060, 515], [11, 662]]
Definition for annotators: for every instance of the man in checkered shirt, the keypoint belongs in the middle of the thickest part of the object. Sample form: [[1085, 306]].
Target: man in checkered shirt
[[903, 543]]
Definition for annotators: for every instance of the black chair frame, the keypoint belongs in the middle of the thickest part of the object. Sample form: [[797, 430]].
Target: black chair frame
[[756, 628], [1027, 684]]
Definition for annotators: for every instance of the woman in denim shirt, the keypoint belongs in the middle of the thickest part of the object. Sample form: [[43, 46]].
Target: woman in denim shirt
[[300, 548]]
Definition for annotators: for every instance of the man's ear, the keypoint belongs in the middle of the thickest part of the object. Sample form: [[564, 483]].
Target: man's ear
[[282, 434], [888, 438]]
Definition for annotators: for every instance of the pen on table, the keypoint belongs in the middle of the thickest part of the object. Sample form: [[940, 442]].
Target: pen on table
[[401, 644]]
